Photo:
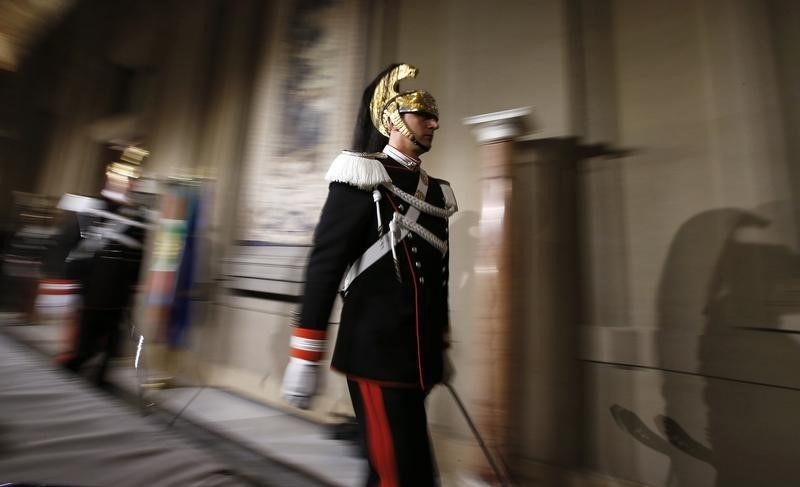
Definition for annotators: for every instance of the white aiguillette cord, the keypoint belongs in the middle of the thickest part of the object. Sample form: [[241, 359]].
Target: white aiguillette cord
[[378, 249]]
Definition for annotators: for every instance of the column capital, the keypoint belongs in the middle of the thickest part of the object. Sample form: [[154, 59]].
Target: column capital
[[499, 126]]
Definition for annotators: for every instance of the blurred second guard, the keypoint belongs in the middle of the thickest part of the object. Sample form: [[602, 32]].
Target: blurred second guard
[[99, 246]]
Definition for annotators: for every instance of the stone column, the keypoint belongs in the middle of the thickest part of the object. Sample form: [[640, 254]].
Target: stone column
[[174, 118], [494, 276]]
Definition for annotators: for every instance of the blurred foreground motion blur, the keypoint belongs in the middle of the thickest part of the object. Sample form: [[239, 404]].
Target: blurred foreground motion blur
[[621, 280]]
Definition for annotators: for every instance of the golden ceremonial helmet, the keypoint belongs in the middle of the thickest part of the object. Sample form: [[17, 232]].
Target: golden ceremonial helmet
[[388, 103], [129, 165]]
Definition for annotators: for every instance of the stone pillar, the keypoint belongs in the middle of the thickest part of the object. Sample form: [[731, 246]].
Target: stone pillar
[[494, 276], [175, 115]]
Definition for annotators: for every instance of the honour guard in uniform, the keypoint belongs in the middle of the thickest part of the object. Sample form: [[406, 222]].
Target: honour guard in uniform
[[382, 242], [100, 247]]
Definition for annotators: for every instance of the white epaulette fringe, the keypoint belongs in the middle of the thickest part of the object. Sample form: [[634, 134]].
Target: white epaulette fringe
[[78, 203], [363, 171]]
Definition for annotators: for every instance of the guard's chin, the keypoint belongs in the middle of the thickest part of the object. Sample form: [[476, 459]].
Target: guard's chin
[[422, 146]]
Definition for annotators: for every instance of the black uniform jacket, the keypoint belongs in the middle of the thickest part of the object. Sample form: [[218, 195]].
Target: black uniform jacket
[[108, 275], [390, 331]]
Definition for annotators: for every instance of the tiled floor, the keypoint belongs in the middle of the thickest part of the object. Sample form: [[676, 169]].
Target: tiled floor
[[300, 444], [264, 434], [290, 440]]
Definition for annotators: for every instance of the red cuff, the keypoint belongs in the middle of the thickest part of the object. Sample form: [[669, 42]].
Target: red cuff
[[307, 344]]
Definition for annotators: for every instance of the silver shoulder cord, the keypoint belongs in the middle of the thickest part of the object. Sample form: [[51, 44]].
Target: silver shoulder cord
[[96, 236], [399, 228], [422, 206], [386, 241], [399, 220]]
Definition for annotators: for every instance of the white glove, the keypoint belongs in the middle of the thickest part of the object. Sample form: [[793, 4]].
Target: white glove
[[300, 382]]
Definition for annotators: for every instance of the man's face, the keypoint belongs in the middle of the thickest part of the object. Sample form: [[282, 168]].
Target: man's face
[[118, 184], [422, 125]]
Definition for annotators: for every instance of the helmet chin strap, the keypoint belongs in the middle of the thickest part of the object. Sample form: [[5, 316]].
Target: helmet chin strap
[[419, 144], [397, 121], [403, 129]]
